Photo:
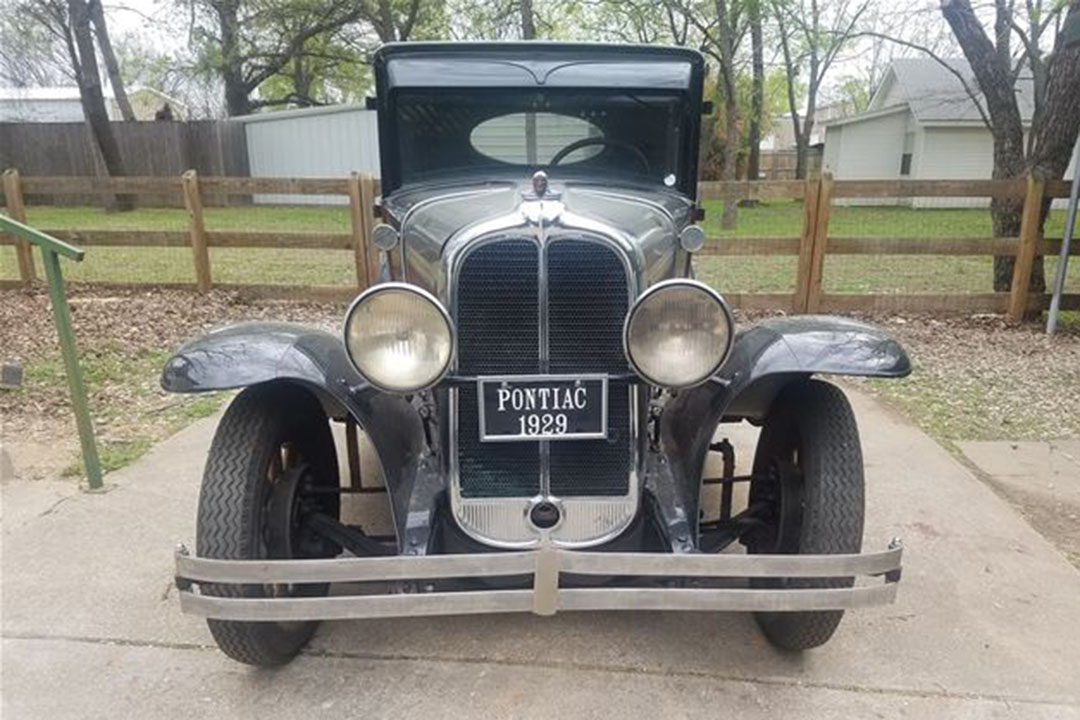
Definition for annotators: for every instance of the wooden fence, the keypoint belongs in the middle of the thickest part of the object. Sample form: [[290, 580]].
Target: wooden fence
[[811, 247], [160, 148]]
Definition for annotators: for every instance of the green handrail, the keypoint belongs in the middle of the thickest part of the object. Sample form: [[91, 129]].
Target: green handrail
[[51, 250]]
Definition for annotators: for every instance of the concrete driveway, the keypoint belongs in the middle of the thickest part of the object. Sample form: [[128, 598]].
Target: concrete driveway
[[987, 624]]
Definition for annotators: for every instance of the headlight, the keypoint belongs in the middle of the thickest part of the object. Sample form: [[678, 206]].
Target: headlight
[[678, 333], [399, 337]]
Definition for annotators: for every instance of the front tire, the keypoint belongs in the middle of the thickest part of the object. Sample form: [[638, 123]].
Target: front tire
[[809, 466], [270, 434]]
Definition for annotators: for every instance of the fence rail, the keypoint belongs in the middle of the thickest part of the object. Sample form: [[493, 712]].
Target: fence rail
[[811, 246]]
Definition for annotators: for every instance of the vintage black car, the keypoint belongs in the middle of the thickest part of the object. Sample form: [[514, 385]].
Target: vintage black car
[[541, 378]]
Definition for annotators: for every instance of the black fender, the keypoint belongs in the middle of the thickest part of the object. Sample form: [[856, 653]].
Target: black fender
[[765, 358], [260, 352]]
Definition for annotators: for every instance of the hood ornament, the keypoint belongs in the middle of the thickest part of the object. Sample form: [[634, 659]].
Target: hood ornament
[[540, 183]]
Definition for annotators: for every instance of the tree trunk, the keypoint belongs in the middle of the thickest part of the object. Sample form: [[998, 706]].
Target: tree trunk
[[93, 100], [726, 83], [757, 94], [528, 20], [97, 16], [800, 156], [994, 76], [237, 100], [1056, 134], [793, 102]]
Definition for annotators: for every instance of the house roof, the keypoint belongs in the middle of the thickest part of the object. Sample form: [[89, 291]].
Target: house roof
[[71, 92], [45, 93], [934, 94]]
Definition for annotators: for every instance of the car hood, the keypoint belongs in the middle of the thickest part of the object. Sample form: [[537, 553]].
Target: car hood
[[645, 221]]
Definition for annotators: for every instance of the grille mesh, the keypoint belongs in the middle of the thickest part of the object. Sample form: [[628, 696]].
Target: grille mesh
[[498, 334], [587, 301]]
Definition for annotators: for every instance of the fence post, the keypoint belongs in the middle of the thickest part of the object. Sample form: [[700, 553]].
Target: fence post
[[196, 229], [806, 245], [360, 199], [17, 211], [1025, 251], [367, 207], [821, 239]]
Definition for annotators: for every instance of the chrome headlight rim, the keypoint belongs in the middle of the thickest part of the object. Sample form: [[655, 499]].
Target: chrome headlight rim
[[661, 287], [422, 293]]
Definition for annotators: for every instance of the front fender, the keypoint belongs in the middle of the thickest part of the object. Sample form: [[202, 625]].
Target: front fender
[[255, 352], [259, 352], [804, 345], [763, 359]]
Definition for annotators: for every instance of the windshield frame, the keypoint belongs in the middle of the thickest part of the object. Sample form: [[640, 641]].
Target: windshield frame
[[517, 68], [433, 132]]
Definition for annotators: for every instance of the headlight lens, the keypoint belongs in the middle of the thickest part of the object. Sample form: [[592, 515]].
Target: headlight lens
[[399, 337], [678, 333]]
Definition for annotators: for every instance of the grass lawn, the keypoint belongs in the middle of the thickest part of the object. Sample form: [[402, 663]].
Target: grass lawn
[[877, 274]]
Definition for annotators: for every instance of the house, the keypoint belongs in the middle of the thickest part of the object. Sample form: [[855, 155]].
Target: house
[[62, 104], [921, 123], [781, 134], [778, 156]]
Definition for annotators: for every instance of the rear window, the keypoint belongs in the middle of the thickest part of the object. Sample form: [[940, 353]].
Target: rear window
[[534, 138]]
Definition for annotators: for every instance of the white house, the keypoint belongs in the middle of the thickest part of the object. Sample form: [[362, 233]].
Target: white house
[[62, 104], [921, 123]]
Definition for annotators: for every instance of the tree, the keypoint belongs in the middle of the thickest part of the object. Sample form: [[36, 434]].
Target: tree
[[812, 36], [247, 42], [30, 56], [722, 26], [1056, 119], [69, 23], [885, 33], [757, 98], [631, 21], [116, 82]]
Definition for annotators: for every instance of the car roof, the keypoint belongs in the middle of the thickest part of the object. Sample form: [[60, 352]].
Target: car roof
[[531, 63]]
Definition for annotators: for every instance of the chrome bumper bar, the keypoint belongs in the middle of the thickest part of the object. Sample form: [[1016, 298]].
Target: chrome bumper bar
[[545, 565]]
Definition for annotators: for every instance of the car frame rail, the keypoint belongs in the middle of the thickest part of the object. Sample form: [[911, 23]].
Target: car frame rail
[[546, 565]]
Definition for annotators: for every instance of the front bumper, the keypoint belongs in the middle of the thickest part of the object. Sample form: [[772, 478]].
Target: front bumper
[[546, 565]]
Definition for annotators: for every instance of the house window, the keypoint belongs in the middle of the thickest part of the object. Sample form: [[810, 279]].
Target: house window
[[905, 164]]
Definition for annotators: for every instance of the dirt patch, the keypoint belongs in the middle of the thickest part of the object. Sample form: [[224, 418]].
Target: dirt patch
[[123, 337]]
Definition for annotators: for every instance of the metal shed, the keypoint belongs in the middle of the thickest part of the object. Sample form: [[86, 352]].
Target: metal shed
[[312, 142]]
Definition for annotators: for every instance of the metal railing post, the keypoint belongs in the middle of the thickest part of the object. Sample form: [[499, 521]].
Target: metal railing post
[[51, 249], [91, 462]]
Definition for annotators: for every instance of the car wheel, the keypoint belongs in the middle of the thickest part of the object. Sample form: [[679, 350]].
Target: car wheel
[[272, 447], [808, 469]]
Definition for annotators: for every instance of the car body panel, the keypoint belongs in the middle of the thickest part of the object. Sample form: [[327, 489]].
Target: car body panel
[[255, 353]]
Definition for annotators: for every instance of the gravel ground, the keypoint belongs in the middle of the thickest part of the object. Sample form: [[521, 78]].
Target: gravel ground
[[978, 378], [123, 338]]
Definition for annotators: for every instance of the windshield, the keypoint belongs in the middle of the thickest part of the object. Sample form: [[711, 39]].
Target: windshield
[[637, 135]]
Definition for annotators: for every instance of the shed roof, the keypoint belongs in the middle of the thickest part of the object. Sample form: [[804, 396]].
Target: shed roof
[[936, 95]]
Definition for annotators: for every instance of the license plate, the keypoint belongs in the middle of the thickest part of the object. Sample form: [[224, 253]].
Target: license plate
[[548, 407]]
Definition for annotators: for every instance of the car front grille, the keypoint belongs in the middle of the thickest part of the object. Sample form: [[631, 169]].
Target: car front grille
[[498, 315]]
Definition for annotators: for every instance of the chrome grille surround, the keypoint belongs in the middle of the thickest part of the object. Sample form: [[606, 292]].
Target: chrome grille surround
[[503, 521]]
